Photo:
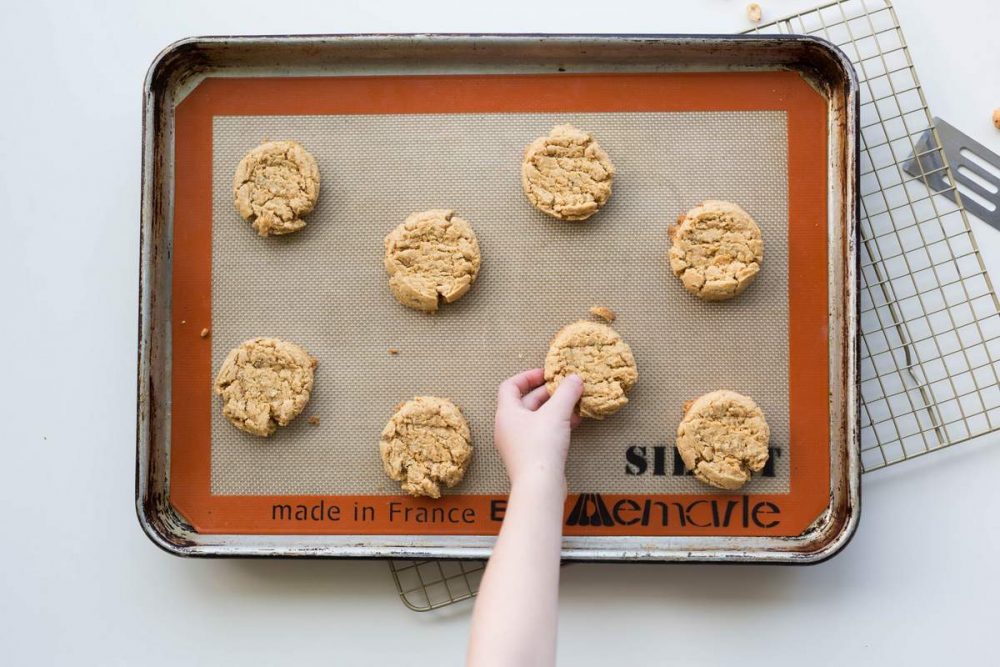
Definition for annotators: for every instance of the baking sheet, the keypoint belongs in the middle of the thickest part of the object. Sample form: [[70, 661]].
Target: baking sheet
[[325, 288]]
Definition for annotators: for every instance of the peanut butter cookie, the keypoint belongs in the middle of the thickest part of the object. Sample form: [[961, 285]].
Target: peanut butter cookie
[[717, 250], [723, 439], [433, 256], [264, 383], [425, 444], [603, 361], [567, 174], [275, 185]]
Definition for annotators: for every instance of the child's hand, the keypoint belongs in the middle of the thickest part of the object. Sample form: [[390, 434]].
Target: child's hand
[[514, 622], [532, 430]]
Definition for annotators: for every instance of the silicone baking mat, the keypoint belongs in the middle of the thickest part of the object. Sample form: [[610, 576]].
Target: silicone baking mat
[[325, 289]]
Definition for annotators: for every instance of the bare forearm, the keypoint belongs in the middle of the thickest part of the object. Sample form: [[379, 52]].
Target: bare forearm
[[514, 622], [515, 619]]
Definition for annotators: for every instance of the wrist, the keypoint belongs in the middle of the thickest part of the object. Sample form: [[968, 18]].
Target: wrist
[[541, 478]]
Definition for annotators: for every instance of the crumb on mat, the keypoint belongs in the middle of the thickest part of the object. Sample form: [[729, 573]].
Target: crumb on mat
[[393, 350], [314, 420], [605, 314]]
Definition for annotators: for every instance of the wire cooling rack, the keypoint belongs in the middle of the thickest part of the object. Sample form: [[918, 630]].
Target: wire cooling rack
[[430, 584], [930, 320]]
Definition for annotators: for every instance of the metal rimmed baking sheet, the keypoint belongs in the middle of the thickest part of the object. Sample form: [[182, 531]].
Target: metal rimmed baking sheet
[[173, 253]]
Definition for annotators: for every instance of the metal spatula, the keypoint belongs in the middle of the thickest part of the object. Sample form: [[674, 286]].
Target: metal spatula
[[978, 185]]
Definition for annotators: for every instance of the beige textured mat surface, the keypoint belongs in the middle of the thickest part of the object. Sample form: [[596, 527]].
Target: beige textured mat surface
[[325, 288]]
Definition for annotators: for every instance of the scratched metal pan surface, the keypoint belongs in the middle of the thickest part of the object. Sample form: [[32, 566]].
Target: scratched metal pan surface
[[199, 483]]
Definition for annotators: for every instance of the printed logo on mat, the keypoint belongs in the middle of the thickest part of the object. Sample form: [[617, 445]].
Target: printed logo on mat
[[591, 509], [642, 460]]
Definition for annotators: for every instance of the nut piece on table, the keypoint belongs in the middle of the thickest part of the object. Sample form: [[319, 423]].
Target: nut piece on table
[[753, 12], [996, 117]]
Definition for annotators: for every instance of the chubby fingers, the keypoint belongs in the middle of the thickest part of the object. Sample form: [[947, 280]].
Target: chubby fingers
[[512, 389], [563, 401], [535, 398]]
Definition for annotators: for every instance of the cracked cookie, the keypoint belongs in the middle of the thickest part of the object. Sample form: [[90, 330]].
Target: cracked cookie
[[275, 185], [723, 439], [425, 444], [603, 361], [567, 174], [264, 383], [432, 257], [717, 250]]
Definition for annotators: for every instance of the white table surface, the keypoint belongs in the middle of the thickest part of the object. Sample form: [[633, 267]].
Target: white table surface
[[80, 583]]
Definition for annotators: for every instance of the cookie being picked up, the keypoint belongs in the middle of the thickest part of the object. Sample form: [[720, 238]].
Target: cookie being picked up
[[603, 361], [723, 439], [426, 443]]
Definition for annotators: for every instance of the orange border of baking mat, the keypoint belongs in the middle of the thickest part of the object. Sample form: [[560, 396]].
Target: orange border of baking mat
[[190, 449]]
